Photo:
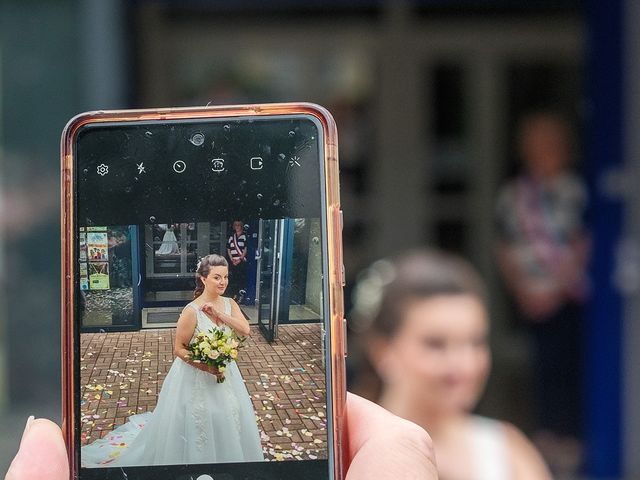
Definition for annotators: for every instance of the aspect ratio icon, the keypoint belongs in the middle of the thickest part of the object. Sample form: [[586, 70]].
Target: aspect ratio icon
[[179, 166], [217, 164], [256, 163]]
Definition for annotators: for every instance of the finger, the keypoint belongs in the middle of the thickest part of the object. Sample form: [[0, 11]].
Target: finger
[[364, 420], [42, 454], [386, 447]]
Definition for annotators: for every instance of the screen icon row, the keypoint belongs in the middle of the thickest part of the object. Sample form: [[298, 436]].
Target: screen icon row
[[217, 165]]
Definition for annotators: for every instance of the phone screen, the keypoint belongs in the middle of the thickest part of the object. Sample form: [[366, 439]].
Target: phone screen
[[210, 231]]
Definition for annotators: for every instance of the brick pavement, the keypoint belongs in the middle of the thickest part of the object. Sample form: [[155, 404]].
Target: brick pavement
[[122, 373]]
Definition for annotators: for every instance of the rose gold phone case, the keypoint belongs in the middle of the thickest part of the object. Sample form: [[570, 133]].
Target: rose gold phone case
[[333, 235]]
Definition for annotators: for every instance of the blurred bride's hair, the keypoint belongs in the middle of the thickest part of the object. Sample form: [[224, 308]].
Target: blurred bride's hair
[[204, 267], [385, 289]]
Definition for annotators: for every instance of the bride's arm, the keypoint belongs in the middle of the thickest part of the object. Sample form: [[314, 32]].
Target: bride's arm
[[236, 320], [184, 332]]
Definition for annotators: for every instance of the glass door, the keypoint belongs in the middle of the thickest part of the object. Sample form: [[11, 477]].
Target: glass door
[[268, 285], [171, 250]]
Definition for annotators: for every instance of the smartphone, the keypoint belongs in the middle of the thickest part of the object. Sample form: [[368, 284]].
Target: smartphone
[[203, 332]]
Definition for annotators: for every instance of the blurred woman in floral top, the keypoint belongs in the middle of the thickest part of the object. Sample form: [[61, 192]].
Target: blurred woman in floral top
[[543, 249]]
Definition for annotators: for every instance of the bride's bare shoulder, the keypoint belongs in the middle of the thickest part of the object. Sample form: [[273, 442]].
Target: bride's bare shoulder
[[193, 306], [526, 461], [233, 303], [188, 313]]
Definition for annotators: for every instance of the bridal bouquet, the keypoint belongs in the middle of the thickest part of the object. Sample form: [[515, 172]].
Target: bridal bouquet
[[216, 348]]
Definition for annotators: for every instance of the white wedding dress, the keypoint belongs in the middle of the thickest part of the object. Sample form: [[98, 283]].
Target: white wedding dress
[[169, 244], [196, 420]]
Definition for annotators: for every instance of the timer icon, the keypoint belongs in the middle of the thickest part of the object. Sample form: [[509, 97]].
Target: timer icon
[[179, 166]]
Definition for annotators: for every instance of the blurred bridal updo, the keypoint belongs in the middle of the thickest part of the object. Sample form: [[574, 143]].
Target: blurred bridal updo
[[386, 289]]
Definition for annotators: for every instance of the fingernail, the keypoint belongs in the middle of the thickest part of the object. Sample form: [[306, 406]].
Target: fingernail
[[26, 427], [29, 421]]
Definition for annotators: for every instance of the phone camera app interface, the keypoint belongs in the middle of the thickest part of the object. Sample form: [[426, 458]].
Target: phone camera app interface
[[200, 301]]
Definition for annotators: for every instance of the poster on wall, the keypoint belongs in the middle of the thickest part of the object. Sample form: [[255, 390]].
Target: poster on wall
[[84, 277], [83, 247], [99, 275], [97, 246]]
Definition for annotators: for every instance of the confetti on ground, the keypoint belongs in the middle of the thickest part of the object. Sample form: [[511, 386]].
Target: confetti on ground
[[285, 381]]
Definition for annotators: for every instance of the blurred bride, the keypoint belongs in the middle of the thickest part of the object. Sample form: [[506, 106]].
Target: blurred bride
[[424, 321]]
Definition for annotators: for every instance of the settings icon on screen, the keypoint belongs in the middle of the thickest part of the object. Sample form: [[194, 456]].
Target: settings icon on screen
[[102, 169]]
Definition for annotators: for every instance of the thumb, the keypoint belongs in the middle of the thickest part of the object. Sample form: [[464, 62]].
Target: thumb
[[42, 454]]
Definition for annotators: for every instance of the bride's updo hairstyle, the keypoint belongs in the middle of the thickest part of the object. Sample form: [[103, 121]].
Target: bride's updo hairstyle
[[204, 267]]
